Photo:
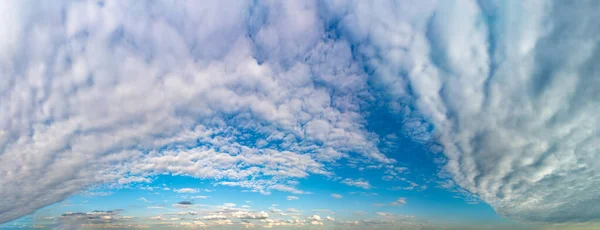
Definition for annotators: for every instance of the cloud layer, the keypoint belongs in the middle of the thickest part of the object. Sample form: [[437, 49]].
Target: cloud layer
[[510, 88], [258, 95], [111, 92]]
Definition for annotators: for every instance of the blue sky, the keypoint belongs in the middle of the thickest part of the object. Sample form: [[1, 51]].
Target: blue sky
[[299, 114]]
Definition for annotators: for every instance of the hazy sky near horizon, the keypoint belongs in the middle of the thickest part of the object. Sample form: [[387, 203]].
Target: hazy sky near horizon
[[300, 114]]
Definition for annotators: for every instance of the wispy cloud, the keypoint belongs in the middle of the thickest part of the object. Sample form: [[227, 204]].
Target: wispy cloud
[[399, 202], [187, 190], [361, 183]]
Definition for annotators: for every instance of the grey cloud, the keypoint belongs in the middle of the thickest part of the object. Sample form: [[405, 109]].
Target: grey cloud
[[185, 203], [97, 219]]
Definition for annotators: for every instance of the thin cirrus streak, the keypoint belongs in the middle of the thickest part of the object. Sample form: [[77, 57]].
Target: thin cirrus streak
[[113, 92]]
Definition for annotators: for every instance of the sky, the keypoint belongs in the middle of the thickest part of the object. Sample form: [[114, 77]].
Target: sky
[[300, 114]]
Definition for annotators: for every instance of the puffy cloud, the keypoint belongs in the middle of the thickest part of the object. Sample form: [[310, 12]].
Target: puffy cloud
[[250, 215], [314, 222], [116, 92], [95, 93], [219, 216], [315, 218], [361, 183], [329, 218], [192, 224], [336, 196], [270, 223]]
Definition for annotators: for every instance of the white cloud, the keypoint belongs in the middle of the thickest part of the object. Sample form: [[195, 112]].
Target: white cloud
[[361, 183], [219, 216], [314, 222], [385, 214], [315, 218], [516, 115], [187, 190], [329, 218], [292, 210], [401, 201], [337, 196], [93, 94], [292, 197], [90, 88], [250, 215], [229, 205]]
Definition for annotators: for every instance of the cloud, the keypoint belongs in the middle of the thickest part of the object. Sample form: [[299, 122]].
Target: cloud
[[219, 216], [96, 219], [226, 213], [361, 183], [187, 190], [265, 186], [229, 205], [515, 115], [292, 210], [97, 95], [401, 201], [270, 223], [292, 198], [324, 210], [336, 196], [329, 218], [315, 220], [250, 215], [185, 203], [385, 214], [93, 94]]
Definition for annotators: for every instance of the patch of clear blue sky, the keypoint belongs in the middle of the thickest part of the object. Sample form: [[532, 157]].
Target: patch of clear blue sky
[[432, 204]]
